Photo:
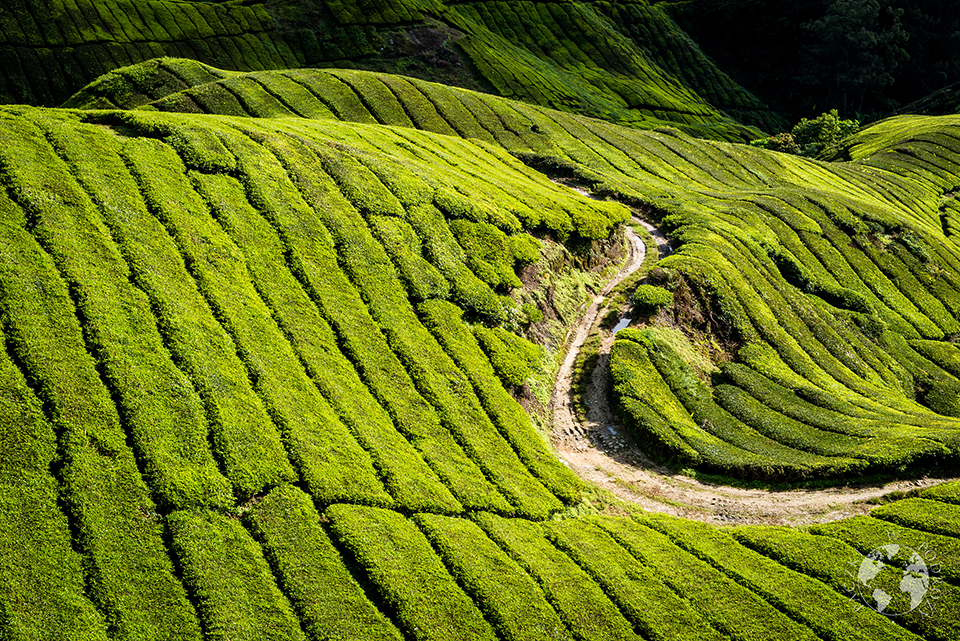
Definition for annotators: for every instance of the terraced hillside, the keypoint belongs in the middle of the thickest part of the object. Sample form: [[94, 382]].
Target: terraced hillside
[[252, 365], [838, 292], [627, 62]]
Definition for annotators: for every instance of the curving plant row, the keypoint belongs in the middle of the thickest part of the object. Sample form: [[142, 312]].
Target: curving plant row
[[767, 239], [251, 381], [627, 62]]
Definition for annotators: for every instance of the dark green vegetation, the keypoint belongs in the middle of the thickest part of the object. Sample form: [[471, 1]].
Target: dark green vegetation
[[259, 330], [863, 58]]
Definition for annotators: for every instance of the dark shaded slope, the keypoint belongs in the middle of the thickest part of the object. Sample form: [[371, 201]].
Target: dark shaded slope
[[625, 62]]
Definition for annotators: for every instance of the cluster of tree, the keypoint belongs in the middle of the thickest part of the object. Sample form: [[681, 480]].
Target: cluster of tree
[[811, 137], [863, 57]]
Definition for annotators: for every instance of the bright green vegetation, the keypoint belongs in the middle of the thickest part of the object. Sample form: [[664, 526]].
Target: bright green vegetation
[[181, 340], [811, 138], [803, 598], [837, 563], [923, 514], [327, 598], [654, 608], [579, 601], [256, 365], [648, 299], [42, 590], [947, 492], [842, 293], [410, 577], [225, 571], [732, 609], [117, 526], [507, 595]]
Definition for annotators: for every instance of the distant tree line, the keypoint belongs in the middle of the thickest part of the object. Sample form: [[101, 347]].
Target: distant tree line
[[864, 58]]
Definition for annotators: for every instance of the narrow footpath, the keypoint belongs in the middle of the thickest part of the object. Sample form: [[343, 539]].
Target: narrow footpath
[[600, 450]]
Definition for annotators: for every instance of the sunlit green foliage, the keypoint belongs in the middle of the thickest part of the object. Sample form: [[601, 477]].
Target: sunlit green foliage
[[326, 597], [512, 356], [648, 299], [732, 608], [230, 580], [834, 562], [811, 137], [118, 528], [42, 584], [579, 601], [508, 597], [649, 604], [828, 613], [410, 577], [261, 363]]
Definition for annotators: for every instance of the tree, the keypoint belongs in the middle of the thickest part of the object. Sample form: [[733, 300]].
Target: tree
[[816, 135], [855, 46], [811, 137]]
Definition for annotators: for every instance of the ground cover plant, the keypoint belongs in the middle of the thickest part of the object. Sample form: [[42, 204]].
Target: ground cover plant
[[259, 354]]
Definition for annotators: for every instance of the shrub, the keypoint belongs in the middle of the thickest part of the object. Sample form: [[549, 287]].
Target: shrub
[[784, 142], [827, 613], [233, 585], [649, 299], [404, 473], [730, 607], [532, 313], [810, 137], [576, 597], [654, 608], [324, 593], [511, 356], [508, 597], [407, 575], [826, 130]]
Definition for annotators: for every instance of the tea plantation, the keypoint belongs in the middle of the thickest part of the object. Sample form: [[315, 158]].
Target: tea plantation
[[270, 333], [248, 380], [623, 61]]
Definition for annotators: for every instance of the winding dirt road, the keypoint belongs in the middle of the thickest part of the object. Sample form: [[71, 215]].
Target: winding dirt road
[[602, 451]]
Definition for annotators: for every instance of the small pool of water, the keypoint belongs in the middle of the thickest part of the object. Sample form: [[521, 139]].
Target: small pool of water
[[621, 324]]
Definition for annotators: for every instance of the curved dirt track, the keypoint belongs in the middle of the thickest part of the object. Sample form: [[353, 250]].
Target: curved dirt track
[[601, 450]]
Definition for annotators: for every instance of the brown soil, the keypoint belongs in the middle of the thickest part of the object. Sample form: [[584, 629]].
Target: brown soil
[[601, 451]]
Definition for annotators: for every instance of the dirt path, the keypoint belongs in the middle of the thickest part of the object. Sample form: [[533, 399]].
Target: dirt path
[[601, 451], [565, 422]]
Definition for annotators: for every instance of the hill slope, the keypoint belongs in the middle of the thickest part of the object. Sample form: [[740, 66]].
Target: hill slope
[[788, 261], [627, 62], [251, 390]]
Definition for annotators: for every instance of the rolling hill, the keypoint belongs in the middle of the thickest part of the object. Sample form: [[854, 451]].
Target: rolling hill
[[250, 390], [628, 62], [276, 338]]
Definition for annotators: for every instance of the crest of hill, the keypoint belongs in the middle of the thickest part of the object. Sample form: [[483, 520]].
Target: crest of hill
[[939, 103], [626, 61]]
